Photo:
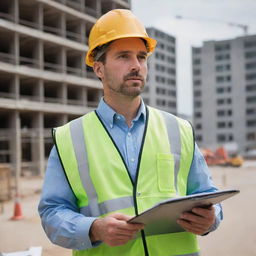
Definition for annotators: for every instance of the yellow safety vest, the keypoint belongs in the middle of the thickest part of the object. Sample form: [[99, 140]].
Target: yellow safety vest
[[102, 185]]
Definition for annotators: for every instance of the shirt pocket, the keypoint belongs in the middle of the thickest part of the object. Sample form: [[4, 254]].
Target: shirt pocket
[[165, 172]]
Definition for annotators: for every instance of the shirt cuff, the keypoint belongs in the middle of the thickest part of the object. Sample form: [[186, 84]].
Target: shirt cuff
[[82, 234], [218, 219]]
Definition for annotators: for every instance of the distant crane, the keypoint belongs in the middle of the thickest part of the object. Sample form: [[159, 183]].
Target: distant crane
[[242, 26]]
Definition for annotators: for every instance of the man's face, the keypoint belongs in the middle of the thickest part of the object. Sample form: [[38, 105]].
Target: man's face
[[125, 68]]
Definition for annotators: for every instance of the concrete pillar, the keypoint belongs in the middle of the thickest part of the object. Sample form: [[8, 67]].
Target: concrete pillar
[[16, 87], [83, 32], [63, 24], [64, 93], [16, 10], [38, 143], [98, 8], [40, 86], [40, 16], [40, 54], [64, 118], [82, 5], [16, 148], [84, 96], [63, 60], [16, 49]]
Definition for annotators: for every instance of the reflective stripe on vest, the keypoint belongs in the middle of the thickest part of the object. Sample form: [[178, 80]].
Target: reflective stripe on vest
[[174, 138], [95, 209]]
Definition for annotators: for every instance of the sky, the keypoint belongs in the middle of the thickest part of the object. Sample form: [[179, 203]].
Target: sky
[[203, 20]]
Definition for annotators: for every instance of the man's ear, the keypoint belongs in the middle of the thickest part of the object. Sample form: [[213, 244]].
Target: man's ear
[[98, 68]]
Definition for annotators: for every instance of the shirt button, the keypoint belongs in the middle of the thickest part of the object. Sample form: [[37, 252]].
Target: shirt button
[[118, 117], [132, 159], [129, 134]]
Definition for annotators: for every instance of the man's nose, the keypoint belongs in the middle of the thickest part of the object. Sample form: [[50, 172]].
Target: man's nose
[[135, 64]]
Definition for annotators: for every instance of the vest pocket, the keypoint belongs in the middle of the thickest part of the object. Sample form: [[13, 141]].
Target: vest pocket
[[165, 172]]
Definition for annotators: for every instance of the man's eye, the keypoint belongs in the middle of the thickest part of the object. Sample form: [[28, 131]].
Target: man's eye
[[142, 57], [123, 56]]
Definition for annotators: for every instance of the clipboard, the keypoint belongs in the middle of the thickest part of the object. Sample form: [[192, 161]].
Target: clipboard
[[162, 218]]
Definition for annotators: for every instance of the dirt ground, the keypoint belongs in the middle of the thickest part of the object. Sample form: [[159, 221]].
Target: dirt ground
[[235, 237]]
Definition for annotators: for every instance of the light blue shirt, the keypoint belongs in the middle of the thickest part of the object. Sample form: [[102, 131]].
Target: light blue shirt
[[60, 216]]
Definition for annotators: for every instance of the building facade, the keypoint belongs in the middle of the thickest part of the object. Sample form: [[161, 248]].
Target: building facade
[[224, 86], [44, 81], [160, 90]]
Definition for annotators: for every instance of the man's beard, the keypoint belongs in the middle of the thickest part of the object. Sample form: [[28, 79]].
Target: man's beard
[[132, 90]]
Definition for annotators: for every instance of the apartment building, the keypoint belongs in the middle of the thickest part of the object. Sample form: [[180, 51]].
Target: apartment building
[[224, 85], [44, 81], [160, 91]]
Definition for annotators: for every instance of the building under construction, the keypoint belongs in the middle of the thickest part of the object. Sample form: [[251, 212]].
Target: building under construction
[[43, 79]]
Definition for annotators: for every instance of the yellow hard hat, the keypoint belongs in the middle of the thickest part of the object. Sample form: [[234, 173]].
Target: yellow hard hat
[[116, 24]]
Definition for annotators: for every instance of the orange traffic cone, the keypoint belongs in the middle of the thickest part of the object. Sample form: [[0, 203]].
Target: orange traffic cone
[[17, 210]]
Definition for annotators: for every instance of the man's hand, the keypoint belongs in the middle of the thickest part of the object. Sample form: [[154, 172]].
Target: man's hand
[[198, 221], [114, 230]]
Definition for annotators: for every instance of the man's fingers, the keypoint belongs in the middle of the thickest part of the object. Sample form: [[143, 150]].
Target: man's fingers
[[130, 227], [114, 229], [200, 215], [120, 216], [192, 218], [198, 221], [122, 224], [192, 227]]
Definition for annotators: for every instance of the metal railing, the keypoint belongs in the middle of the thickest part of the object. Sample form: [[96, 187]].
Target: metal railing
[[49, 29], [90, 11], [7, 95], [7, 57], [7, 16], [52, 67], [79, 7], [74, 71], [53, 100], [5, 134], [29, 62], [52, 30], [30, 24], [73, 4], [74, 36], [75, 102], [29, 97]]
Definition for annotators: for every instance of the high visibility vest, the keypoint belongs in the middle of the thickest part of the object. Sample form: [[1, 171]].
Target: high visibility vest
[[102, 185]]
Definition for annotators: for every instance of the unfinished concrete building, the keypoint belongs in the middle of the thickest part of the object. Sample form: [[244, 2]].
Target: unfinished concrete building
[[44, 81]]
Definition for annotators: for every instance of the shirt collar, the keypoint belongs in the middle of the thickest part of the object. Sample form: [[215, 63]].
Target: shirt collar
[[107, 114]]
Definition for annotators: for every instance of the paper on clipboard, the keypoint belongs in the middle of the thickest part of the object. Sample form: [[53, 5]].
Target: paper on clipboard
[[162, 218]]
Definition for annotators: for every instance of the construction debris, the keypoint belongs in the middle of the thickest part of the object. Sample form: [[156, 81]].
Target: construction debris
[[221, 157]]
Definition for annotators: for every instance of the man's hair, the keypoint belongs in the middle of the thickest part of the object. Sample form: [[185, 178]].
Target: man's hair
[[99, 53]]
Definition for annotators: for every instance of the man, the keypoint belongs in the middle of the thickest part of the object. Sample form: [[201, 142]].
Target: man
[[123, 158]]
